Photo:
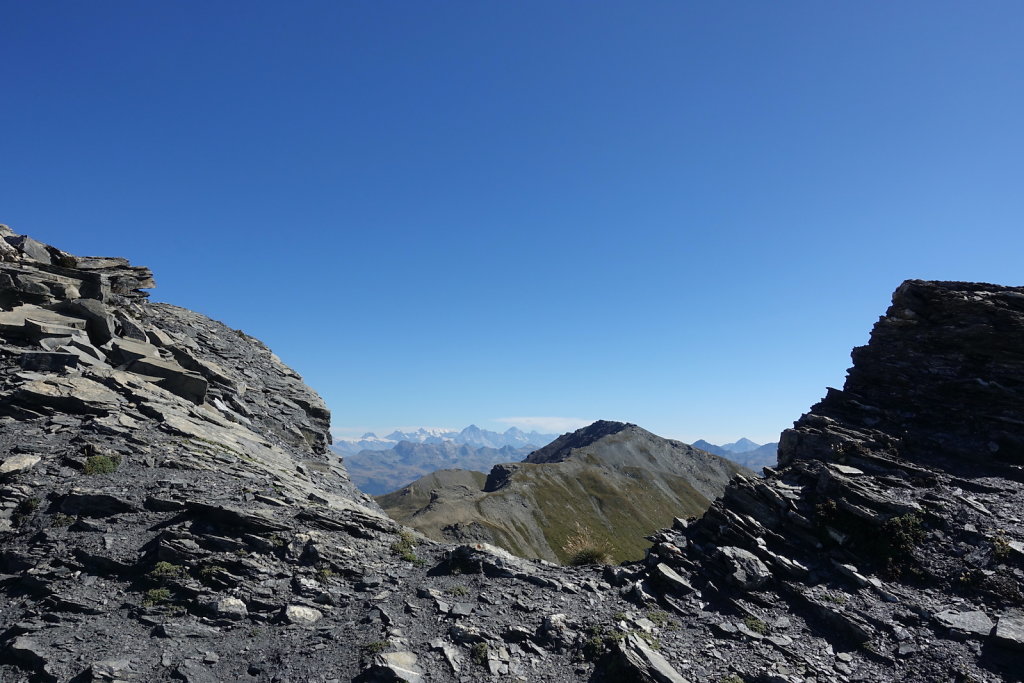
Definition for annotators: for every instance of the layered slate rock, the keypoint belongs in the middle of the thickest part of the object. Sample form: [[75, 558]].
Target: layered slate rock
[[151, 536], [891, 524]]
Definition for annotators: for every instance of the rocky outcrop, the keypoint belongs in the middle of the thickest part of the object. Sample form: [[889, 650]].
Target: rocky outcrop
[[594, 492], [892, 523], [147, 535]]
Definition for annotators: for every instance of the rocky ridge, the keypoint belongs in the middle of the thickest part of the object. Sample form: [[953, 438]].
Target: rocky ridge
[[155, 532], [602, 489]]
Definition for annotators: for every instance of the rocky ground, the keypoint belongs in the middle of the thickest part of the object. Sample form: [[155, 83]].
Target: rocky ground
[[168, 511]]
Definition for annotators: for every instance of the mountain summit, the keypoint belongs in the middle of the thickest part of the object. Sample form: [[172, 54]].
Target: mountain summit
[[612, 480]]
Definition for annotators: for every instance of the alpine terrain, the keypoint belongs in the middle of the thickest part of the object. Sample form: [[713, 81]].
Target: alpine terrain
[[169, 510], [611, 482]]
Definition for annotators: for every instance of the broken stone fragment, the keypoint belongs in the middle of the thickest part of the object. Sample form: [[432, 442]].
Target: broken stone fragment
[[636, 661], [31, 653], [30, 248], [667, 577], [124, 351], [100, 324], [112, 670], [14, 322], [228, 608], [743, 569], [48, 361], [183, 629]]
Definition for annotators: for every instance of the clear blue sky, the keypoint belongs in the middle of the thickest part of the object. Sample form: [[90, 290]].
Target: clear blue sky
[[681, 214]]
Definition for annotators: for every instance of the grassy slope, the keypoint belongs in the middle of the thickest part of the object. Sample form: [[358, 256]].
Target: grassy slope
[[538, 510]]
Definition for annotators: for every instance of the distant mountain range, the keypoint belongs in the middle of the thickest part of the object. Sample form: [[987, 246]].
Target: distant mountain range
[[611, 481], [379, 465], [378, 472], [745, 452], [470, 436]]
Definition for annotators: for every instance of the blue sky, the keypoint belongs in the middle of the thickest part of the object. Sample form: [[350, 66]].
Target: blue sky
[[680, 214]]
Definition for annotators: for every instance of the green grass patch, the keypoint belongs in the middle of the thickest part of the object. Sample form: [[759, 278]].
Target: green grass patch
[[165, 571], [756, 625], [405, 547], [478, 653], [102, 464], [156, 596]]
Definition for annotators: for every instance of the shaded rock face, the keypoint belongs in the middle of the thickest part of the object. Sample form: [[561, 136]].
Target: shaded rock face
[[152, 536], [893, 521], [942, 380]]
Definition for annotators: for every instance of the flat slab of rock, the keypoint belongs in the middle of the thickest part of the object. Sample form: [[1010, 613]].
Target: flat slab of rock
[[18, 463], [94, 503], [70, 394], [669, 578], [975, 622], [1010, 631], [638, 662], [172, 377]]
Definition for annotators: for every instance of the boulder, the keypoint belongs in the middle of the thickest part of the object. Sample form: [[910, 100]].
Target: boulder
[[301, 615], [32, 249], [229, 608], [393, 666]]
